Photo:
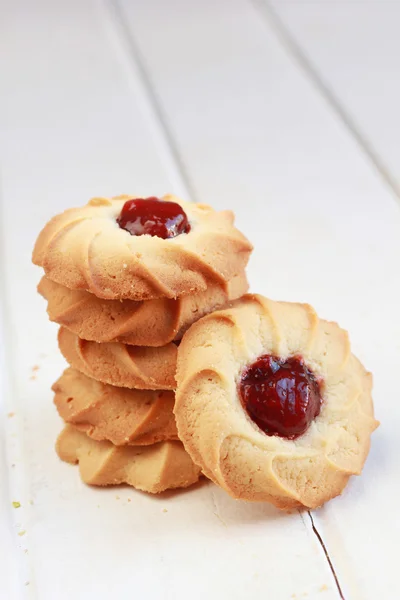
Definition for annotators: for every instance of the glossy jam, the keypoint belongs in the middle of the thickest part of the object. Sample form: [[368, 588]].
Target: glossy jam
[[151, 216], [281, 396]]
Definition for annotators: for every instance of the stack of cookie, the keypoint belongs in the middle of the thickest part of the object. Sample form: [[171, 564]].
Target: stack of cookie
[[125, 278]]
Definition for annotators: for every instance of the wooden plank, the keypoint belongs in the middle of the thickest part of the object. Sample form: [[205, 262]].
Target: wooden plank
[[76, 122], [354, 50], [257, 135]]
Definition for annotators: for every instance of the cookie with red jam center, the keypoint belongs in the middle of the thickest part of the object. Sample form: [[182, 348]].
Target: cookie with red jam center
[[272, 404]]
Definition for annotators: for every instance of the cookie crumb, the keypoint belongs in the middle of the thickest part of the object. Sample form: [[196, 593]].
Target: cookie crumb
[[129, 499], [323, 588], [21, 533], [35, 368], [165, 510], [10, 415], [16, 504], [117, 497]]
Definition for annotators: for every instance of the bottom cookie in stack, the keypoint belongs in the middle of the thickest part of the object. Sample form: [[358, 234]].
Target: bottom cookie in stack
[[121, 435], [154, 469]]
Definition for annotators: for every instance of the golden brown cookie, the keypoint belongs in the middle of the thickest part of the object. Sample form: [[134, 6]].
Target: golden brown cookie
[[121, 415], [152, 469], [148, 323], [121, 365], [248, 376], [85, 249]]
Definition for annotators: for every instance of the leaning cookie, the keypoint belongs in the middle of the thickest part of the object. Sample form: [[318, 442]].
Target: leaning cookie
[[138, 249], [121, 365], [149, 323], [152, 469], [272, 404], [120, 415]]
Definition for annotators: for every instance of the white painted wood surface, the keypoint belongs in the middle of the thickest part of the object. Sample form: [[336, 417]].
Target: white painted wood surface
[[353, 48], [203, 99]]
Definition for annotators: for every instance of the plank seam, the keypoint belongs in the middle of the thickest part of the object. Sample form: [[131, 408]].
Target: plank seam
[[269, 14], [142, 87], [328, 558]]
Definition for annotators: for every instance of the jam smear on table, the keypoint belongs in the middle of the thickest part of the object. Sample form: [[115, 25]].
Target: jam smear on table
[[282, 396], [151, 216]]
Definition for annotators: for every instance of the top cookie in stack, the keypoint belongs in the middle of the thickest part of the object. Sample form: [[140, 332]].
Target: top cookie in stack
[[139, 271]]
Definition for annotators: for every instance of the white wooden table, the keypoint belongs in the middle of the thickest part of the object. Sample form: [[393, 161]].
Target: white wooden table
[[287, 112]]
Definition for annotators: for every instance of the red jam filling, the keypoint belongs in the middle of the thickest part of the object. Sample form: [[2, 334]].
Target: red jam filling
[[282, 396], [151, 216]]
